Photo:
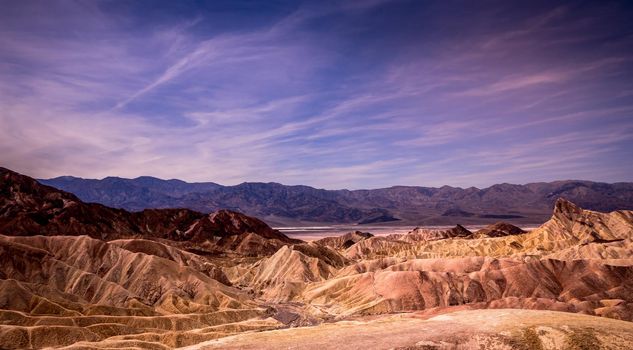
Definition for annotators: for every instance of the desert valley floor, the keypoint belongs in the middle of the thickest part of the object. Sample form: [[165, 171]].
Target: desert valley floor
[[77, 275]]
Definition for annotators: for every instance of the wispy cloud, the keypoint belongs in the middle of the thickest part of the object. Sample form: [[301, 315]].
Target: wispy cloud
[[517, 82], [344, 95]]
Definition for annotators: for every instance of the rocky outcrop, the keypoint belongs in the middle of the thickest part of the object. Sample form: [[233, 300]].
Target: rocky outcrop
[[569, 226], [226, 223], [499, 229], [418, 284], [344, 241], [419, 234], [284, 275], [58, 290], [95, 272]]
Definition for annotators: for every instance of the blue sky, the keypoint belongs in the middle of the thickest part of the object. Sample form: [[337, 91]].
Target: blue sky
[[351, 94]]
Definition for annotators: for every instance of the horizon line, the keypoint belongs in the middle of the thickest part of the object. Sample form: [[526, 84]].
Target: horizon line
[[331, 189]]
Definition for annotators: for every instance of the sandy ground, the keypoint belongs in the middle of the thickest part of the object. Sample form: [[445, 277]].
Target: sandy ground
[[492, 329]]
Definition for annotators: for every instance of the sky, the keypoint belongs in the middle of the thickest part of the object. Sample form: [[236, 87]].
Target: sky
[[331, 94]]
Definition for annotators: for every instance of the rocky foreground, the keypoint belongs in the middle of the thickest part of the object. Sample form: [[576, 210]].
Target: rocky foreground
[[80, 275], [481, 329]]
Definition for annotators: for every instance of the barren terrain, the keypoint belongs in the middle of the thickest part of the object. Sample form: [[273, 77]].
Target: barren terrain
[[80, 275]]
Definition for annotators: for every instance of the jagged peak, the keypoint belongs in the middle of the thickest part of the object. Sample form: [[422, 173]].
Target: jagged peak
[[285, 249], [461, 230], [360, 233], [499, 229], [563, 206]]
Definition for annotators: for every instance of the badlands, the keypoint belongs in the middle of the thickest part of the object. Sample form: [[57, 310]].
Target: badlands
[[78, 275]]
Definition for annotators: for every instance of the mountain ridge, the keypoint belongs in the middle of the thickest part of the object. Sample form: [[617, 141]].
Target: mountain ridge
[[282, 205], [28, 207], [72, 177]]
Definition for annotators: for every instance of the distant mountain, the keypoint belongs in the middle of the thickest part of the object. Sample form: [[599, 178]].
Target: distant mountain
[[291, 205], [131, 194], [29, 208]]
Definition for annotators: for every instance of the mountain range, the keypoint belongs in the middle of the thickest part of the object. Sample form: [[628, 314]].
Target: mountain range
[[77, 275], [283, 205]]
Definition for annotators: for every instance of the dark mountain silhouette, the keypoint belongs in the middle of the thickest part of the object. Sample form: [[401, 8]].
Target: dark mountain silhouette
[[279, 204], [29, 208]]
